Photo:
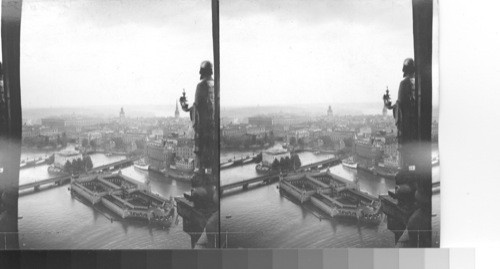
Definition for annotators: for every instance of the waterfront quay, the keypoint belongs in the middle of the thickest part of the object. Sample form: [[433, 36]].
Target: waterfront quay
[[124, 196], [333, 195], [266, 216], [263, 216], [56, 219]]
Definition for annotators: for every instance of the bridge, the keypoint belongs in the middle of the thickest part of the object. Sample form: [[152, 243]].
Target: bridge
[[269, 178], [115, 165], [320, 165], [60, 180]]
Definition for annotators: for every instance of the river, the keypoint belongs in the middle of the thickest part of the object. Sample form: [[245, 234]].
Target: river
[[259, 217], [53, 219], [262, 218]]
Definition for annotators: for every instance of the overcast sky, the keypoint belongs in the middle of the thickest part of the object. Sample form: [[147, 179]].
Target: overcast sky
[[314, 51], [120, 52]]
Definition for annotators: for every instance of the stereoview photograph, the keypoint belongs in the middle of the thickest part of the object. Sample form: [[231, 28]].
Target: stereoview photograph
[[328, 124], [118, 125]]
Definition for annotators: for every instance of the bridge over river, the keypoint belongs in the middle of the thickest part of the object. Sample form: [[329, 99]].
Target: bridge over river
[[60, 180], [273, 177]]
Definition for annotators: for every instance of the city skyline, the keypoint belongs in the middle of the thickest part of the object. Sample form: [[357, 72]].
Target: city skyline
[[83, 53]]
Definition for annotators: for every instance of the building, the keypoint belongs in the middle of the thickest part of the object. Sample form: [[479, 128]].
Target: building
[[260, 121], [329, 113], [233, 131], [56, 123], [133, 136], [366, 149], [155, 155], [60, 158], [274, 153], [184, 149]]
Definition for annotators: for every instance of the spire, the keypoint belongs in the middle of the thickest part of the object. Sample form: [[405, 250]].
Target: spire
[[176, 109], [329, 112]]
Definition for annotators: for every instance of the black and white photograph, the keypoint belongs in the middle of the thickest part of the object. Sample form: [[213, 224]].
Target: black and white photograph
[[326, 124], [118, 125]]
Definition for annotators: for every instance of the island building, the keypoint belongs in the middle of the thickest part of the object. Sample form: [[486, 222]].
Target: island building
[[68, 155], [274, 153]]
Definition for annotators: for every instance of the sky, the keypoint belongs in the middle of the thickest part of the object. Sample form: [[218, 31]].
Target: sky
[[286, 52], [78, 53]]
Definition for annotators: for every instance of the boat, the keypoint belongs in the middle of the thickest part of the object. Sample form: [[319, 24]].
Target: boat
[[225, 165], [22, 164], [262, 169], [54, 170], [172, 172], [41, 161], [141, 165], [350, 163], [247, 160]]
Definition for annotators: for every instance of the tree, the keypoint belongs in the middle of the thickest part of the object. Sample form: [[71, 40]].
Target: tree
[[67, 167], [293, 141], [276, 165], [93, 144], [327, 141], [87, 163], [85, 142], [296, 163], [301, 142], [119, 144], [287, 164], [51, 159]]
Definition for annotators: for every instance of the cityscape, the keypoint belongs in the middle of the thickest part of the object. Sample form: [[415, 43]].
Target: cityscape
[[108, 146], [360, 150], [313, 153], [153, 155], [303, 155]]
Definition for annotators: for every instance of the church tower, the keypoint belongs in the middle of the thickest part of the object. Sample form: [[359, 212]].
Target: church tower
[[176, 110], [329, 113], [122, 115]]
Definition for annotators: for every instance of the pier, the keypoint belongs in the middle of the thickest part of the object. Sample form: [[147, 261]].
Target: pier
[[60, 180], [274, 177]]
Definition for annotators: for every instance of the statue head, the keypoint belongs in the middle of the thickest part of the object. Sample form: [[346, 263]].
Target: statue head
[[206, 69], [408, 67]]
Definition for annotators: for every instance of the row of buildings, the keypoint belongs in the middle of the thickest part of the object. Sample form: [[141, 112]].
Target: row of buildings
[[120, 134], [171, 153]]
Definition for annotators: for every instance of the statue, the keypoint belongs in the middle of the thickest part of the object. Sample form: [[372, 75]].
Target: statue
[[203, 118], [202, 214], [405, 114], [412, 228]]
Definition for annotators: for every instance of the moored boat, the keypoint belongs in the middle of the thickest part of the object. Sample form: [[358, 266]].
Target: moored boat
[[141, 165], [350, 163], [261, 168]]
